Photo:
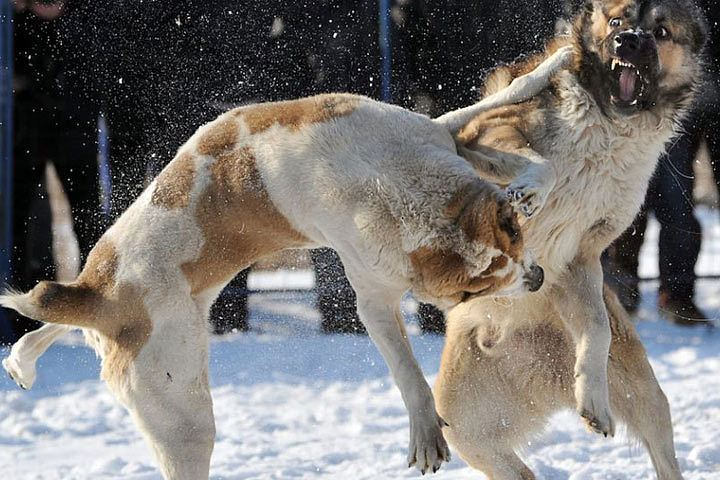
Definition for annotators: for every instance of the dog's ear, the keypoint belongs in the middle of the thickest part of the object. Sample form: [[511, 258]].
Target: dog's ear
[[508, 221], [594, 6]]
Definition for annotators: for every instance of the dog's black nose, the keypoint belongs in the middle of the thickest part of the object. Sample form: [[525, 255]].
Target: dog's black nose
[[535, 278], [629, 40]]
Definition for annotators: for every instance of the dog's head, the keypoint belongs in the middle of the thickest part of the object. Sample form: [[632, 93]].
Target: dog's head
[[639, 55], [483, 253]]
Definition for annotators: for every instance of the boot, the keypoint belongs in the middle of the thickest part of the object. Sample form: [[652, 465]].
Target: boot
[[681, 310]]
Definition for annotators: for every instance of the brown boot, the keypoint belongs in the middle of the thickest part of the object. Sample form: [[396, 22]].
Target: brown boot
[[681, 311]]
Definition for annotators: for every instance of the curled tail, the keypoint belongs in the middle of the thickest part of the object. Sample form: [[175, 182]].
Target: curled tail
[[52, 302], [521, 89]]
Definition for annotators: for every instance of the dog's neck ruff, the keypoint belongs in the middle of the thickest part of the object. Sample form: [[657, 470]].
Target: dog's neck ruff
[[603, 163]]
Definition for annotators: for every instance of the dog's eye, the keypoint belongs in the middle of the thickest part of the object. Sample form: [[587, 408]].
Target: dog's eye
[[661, 33], [615, 22]]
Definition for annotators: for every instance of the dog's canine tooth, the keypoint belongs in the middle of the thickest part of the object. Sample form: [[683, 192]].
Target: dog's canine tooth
[[634, 102]]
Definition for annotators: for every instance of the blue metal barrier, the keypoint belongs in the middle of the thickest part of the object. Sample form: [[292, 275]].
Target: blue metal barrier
[[6, 150]]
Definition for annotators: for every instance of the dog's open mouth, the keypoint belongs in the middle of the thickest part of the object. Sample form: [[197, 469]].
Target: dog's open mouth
[[629, 86]]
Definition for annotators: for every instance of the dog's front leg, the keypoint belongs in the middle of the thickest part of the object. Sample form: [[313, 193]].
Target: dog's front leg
[[380, 313], [579, 296]]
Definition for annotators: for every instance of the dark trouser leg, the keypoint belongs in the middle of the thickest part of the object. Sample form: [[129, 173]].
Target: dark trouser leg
[[336, 299], [230, 311], [77, 167], [711, 133], [680, 233], [31, 259]]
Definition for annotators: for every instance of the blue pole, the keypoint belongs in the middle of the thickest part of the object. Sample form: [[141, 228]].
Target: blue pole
[[385, 51], [6, 151], [104, 166]]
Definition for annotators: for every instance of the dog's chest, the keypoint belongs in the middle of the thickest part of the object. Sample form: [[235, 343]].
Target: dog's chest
[[603, 167]]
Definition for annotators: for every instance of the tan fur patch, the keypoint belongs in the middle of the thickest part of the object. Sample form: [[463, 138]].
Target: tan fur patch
[[672, 58], [497, 263], [295, 114], [240, 224], [98, 300], [220, 136], [477, 212], [122, 317], [511, 120], [443, 273], [624, 9], [174, 184]]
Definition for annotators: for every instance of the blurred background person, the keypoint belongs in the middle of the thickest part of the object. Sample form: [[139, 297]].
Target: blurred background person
[[55, 120]]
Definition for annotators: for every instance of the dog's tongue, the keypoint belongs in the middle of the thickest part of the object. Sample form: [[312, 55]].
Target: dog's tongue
[[627, 83]]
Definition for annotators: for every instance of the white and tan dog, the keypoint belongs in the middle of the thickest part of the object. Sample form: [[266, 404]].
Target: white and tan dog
[[379, 184]]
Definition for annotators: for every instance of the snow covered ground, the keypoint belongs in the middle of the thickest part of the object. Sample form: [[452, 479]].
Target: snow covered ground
[[293, 403]]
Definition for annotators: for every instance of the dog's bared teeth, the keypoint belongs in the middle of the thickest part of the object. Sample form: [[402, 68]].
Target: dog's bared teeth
[[616, 62], [634, 102]]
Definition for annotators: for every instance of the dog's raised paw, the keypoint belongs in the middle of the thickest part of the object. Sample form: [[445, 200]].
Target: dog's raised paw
[[524, 200], [22, 375]]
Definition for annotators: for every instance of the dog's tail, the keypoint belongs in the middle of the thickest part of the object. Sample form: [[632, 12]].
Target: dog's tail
[[52, 302], [521, 89]]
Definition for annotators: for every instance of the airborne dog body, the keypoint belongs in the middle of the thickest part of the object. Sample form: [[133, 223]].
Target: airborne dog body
[[592, 141], [381, 185]]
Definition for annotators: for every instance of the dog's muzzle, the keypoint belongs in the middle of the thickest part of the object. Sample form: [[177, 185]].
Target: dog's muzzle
[[534, 278]]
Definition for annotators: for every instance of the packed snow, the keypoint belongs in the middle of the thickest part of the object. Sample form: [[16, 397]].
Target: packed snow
[[291, 402]]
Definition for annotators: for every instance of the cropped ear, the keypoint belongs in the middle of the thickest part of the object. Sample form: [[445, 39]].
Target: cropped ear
[[594, 6], [507, 219], [700, 29]]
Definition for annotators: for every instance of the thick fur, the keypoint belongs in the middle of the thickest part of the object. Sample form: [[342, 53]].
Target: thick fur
[[590, 158], [381, 185]]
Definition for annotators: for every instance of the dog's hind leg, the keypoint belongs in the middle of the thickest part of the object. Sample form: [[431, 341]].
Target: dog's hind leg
[[20, 365], [501, 464], [167, 391], [635, 395]]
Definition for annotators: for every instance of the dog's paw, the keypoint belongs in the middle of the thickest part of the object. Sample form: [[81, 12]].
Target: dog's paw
[[526, 198], [22, 373], [428, 448], [594, 409]]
